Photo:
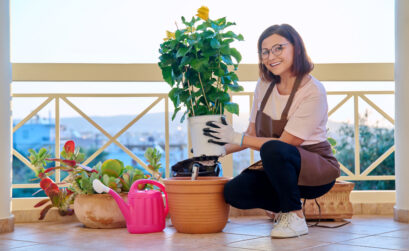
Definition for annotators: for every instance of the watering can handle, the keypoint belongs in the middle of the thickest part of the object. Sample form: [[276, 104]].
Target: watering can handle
[[155, 183]]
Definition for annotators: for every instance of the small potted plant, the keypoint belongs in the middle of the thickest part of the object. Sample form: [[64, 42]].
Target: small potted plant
[[198, 62], [92, 209]]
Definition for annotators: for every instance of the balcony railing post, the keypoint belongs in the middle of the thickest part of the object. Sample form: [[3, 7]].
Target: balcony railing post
[[6, 218], [401, 210], [57, 137]]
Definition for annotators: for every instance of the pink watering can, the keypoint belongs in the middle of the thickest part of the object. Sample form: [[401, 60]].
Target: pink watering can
[[144, 212]]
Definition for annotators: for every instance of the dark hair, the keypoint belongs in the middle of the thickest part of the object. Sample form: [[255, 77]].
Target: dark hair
[[302, 64]]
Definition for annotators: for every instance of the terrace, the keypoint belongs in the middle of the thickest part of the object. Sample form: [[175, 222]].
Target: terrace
[[380, 216]]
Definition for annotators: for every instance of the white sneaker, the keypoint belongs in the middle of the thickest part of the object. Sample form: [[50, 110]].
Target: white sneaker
[[289, 225]]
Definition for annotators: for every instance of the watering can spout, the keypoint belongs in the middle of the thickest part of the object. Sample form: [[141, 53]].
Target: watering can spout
[[123, 206]]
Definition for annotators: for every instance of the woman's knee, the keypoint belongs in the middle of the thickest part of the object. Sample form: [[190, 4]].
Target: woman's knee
[[275, 148], [230, 192]]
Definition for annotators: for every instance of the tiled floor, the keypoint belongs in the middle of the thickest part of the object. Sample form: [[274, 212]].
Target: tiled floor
[[243, 233]]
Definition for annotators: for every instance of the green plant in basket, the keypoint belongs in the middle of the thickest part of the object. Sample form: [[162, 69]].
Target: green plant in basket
[[199, 63]]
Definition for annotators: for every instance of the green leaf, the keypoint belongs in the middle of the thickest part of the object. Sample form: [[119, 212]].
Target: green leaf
[[186, 60], [227, 59], [167, 75], [179, 35], [221, 96], [182, 51], [165, 60], [199, 64], [332, 141], [229, 34], [174, 96], [80, 157], [228, 41], [207, 34], [214, 43], [175, 112], [221, 21], [236, 54], [183, 117], [232, 108], [235, 88], [219, 72], [240, 37], [202, 110]]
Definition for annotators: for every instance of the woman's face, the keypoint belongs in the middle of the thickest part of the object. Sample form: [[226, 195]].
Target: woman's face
[[277, 54]]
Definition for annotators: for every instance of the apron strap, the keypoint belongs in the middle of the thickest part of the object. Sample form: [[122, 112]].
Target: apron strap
[[267, 96], [297, 83]]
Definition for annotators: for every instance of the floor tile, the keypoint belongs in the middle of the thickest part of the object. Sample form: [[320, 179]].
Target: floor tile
[[321, 234], [23, 229], [241, 233], [379, 220], [340, 247], [363, 229], [381, 242], [398, 234], [254, 229], [9, 244], [267, 243], [43, 247]]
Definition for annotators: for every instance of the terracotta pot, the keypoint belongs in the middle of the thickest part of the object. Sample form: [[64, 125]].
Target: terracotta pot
[[197, 206], [99, 210]]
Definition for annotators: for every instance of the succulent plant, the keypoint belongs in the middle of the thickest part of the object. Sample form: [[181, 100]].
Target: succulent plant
[[129, 176], [112, 168], [80, 177]]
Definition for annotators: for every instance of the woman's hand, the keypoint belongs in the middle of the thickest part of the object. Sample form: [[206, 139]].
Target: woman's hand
[[222, 133]]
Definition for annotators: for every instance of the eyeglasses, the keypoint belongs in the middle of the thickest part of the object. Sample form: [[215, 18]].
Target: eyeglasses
[[276, 50]]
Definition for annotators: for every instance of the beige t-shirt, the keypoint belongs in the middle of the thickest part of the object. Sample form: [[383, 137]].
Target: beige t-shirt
[[308, 114]]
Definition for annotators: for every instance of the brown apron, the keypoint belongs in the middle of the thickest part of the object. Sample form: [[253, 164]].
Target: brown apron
[[318, 164]]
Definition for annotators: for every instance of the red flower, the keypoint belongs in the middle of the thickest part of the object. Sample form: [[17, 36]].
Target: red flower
[[69, 146], [52, 189], [44, 183]]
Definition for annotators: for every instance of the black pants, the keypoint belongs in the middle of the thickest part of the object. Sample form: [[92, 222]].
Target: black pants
[[274, 188]]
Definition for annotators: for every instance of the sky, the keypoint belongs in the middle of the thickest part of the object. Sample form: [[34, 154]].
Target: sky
[[130, 31]]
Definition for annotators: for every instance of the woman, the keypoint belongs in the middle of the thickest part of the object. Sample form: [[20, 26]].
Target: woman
[[288, 126]]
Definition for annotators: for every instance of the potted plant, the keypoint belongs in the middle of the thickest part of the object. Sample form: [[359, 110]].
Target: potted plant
[[198, 62], [92, 209]]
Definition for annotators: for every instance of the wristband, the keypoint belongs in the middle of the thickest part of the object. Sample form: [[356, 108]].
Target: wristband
[[242, 137]]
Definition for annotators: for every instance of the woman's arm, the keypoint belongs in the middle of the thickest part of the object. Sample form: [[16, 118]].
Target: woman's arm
[[255, 143], [232, 148]]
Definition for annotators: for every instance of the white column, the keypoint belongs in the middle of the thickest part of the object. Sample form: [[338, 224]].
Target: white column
[[6, 218], [401, 210]]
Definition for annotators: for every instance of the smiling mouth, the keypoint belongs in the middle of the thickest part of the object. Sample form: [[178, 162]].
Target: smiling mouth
[[275, 64]]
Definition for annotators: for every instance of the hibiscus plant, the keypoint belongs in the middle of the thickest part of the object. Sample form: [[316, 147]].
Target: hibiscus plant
[[198, 62]]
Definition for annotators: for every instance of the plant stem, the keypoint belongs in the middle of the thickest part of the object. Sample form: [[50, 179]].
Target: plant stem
[[218, 86], [204, 94], [190, 93]]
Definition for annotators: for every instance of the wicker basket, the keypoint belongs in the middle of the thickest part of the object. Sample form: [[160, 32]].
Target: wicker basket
[[334, 205]]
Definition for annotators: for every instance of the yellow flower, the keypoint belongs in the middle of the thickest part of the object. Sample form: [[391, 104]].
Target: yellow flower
[[203, 13], [169, 35]]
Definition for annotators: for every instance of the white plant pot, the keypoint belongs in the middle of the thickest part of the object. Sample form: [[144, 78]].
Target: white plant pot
[[200, 143]]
